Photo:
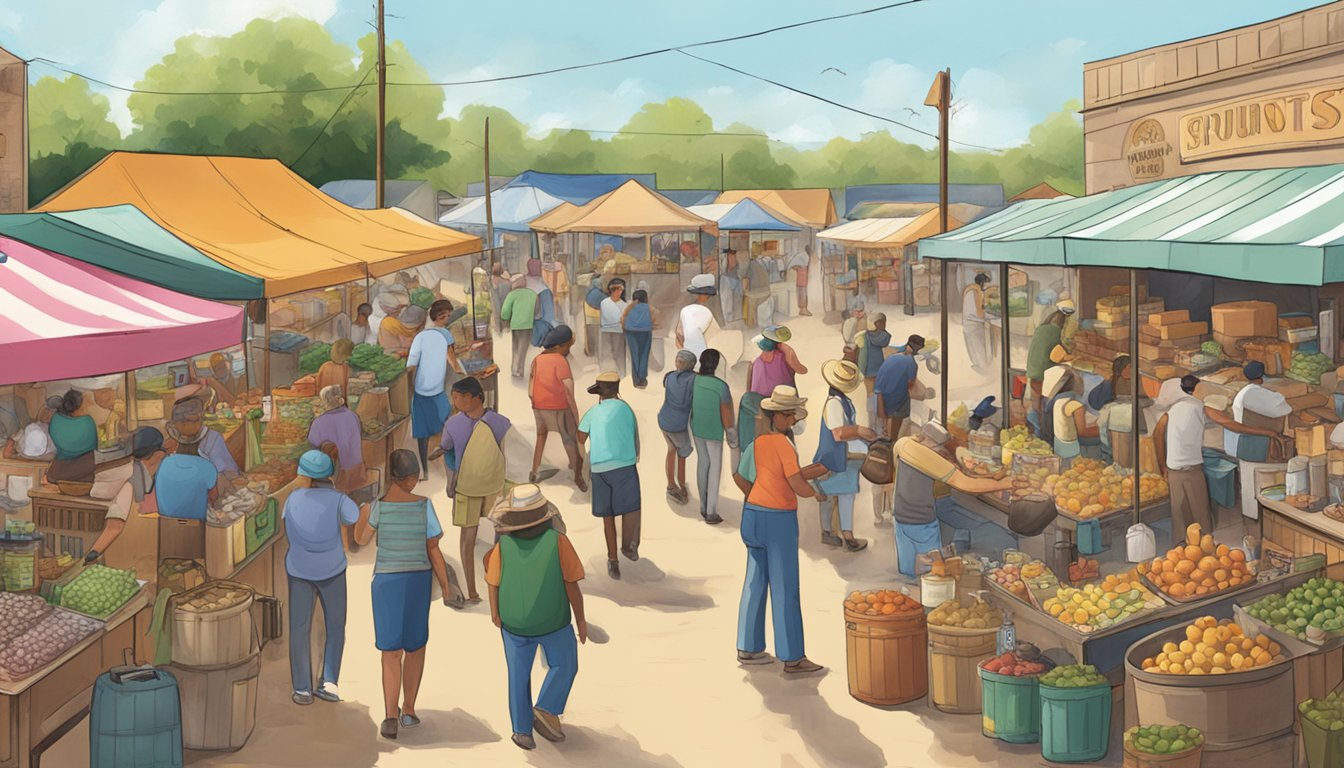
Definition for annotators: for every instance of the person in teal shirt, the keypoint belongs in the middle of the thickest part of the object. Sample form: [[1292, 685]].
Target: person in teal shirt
[[75, 438], [711, 421], [612, 436]]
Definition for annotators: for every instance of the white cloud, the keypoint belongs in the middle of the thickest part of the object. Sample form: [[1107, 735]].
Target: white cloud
[[547, 122], [10, 20], [1069, 46], [154, 32], [720, 90]]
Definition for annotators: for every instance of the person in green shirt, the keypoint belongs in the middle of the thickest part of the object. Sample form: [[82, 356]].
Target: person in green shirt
[[1047, 349], [711, 421], [519, 311], [534, 573], [75, 438]]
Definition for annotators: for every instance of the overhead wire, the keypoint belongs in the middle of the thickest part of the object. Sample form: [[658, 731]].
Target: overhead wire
[[353, 90]]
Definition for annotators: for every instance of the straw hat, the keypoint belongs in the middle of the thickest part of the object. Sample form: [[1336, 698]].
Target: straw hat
[[785, 398], [702, 285], [1054, 380], [523, 507], [605, 377], [842, 374], [778, 334], [1066, 306]]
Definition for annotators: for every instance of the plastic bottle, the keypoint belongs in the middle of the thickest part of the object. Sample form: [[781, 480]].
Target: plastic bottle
[[1007, 637]]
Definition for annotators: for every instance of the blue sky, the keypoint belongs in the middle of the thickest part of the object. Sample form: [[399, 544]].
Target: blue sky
[[1012, 61]]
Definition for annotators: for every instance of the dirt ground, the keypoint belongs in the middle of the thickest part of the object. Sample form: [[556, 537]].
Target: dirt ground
[[658, 683]]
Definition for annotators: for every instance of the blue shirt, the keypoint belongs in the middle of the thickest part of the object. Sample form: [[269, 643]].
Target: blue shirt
[[679, 394], [313, 519], [183, 484], [893, 381], [612, 435], [429, 358], [640, 318]]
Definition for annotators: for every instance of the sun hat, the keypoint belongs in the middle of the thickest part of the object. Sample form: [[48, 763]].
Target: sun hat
[[1066, 306], [316, 465], [413, 316], [702, 285], [523, 507], [557, 336], [605, 377], [841, 374], [785, 398], [778, 333], [1054, 380], [145, 441]]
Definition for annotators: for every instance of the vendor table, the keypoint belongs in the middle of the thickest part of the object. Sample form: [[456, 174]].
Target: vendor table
[[1300, 531], [995, 510], [73, 523], [378, 446], [41, 709]]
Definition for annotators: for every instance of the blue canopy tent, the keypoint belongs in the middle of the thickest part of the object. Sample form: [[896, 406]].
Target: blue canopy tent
[[512, 209], [688, 197], [578, 188]]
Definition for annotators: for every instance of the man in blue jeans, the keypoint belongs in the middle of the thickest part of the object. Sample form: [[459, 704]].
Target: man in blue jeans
[[533, 574], [923, 463], [315, 565]]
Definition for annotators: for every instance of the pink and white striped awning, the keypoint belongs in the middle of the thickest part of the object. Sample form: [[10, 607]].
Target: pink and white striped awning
[[61, 319]]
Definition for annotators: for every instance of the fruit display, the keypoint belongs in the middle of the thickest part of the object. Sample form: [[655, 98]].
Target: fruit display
[[370, 357], [41, 643], [51, 568], [284, 432], [1308, 612], [952, 613], [1013, 665], [1308, 367], [99, 590], [1163, 739], [1018, 439], [881, 602], [1090, 488], [1199, 568], [313, 357], [1017, 579], [1084, 569], [18, 613], [214, 598], [1098, 606], [1211, 647], [1074, 676], [1326, 714]]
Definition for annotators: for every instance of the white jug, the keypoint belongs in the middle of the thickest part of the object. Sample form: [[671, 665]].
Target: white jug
[[1140, 543]]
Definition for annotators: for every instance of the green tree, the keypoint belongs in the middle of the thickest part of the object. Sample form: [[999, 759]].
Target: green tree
[[66, 112]]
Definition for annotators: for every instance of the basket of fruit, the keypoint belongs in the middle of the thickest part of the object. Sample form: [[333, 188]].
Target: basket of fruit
[[1163, 746], [886, 643], [962, 634], [1198, 569], [1092, 607], [1018, 440], [1312, 612], [1090, 489], [1075, 714], [1322, 723], [1011, 696]]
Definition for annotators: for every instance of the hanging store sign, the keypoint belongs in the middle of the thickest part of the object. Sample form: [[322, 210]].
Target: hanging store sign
[[1303, 117], [1147, 150]]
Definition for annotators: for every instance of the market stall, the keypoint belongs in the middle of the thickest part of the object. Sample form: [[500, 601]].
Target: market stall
[[512, 209], [867, 258], [754, 232]]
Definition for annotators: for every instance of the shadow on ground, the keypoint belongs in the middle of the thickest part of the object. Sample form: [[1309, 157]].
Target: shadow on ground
[[590, 748], [830, 738], [644, 584]]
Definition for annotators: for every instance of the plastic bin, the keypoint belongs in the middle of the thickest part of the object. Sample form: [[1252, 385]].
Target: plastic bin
[[1322, 748], [135, 722], [1075, 723], [1221, 475], [1011, 707]]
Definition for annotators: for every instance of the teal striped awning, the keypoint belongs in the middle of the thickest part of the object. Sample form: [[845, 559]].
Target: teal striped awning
[[1283, 226]]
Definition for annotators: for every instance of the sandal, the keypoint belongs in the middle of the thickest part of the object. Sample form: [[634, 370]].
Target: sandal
[[388, 730]]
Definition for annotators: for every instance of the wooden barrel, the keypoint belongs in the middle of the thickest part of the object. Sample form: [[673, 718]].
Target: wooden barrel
[[954, 653], [887, 657]]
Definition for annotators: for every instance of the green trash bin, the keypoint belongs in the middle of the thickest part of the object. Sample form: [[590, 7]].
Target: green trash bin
[[1323, 749], [1010, 707], [1075, 723]]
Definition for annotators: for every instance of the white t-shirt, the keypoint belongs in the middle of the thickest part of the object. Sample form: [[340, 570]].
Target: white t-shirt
[[611, 312], [833, 417], [1185, 433], [695, 320], [429, 355], [1256, 399]]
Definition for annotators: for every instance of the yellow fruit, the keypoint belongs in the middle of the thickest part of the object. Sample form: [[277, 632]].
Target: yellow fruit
[[1080, 616], [1187, 647], [1192, 633], [1237, 661], [1210, 637], [1177, 657], [1220, 659], [1168, 647]]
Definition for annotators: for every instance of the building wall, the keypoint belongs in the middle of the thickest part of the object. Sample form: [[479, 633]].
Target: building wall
[[1270, 95], [13, 133]]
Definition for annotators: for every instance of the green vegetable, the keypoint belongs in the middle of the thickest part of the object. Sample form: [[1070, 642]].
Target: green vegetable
[[1326, 714], [1073, 676], [99, 590], [1309, 367], [1318, 603], [1163, 739], [1211, 348], [313, 356], [422, 297]]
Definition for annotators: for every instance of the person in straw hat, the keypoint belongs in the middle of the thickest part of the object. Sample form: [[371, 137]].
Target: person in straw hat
[[770, 477], [696, 318], [533, 573], [610, 432], [186, 482], [841, 449]]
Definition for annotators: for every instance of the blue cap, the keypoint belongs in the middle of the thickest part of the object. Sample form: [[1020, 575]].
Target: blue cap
[[1254, 370], [985, 409], [316, 464]]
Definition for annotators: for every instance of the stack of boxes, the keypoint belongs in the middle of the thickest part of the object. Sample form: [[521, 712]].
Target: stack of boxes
[[1108, 335], [1249, 330], [1166, 336]]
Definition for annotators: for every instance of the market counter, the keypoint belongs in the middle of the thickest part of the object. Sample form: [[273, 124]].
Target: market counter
[[46, 705], [1299, 531], [990, 507]]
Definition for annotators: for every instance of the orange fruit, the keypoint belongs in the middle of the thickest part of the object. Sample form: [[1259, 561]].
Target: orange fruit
[[1208, 563], [888, 608], [1237, 556], [1176, 590], [1198, 575], [1193, 553], [1185, 567]]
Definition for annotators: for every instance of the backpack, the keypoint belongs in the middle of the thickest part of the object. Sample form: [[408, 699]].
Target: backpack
[[595, 296]]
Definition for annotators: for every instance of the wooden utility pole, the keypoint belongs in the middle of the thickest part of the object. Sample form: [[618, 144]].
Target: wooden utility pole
[[940, 97], [489, 215], [721, 187], [379, 148]]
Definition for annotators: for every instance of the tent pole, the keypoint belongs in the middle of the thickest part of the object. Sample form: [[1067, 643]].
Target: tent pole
[[1134, 381], [942, 329], [1005, 338]]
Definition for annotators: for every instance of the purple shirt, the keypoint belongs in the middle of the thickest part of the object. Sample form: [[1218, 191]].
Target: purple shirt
[[457, 431], [341, 427], [765, 376]]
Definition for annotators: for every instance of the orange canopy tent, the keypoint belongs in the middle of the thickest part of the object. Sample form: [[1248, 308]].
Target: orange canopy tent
[[630, 208], [813, 207], [260, 218]]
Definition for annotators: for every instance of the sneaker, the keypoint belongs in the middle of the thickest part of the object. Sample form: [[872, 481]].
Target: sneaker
[[409, 721], [388, 730], [302, 698], [754, 657], [547, 725], [525, 741], [853, 544], [831, 540], [802, 666], [328, 692], [713, 518], [614, 569]]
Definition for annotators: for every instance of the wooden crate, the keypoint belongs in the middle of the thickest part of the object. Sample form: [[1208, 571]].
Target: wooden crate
[[887, 658]]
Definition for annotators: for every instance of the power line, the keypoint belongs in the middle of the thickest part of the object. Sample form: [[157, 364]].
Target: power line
[[124, 89], [832, 102], [339, 107]]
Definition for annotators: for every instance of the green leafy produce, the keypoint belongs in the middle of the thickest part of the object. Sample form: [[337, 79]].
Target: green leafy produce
[[1211, 348], [369, 357], [99, 590], [313, 356], [1309, 367], [1326, 714], [1311, 610], [1074, 676], [422, 297], [1163, 739]]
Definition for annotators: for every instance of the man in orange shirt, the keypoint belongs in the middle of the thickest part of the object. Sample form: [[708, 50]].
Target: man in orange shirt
[[770, 477], [551, 387]]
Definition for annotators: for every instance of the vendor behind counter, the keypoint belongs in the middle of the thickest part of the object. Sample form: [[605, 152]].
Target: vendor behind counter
[[75, 438]]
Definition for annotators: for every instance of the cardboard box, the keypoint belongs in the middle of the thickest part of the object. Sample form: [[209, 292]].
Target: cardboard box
[[1246, 318], [1183, 330], [1156, 352], [1289, 388], [1310, 440], [1112, 316], [1296, 321], [1170, 317]]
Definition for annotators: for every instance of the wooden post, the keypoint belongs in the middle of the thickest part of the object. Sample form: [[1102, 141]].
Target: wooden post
[[489, 214], [1005, 338], [1134, 381], [379, 170], [939, 96]]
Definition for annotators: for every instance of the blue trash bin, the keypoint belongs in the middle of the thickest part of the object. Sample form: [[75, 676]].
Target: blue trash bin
[[1221, 474]]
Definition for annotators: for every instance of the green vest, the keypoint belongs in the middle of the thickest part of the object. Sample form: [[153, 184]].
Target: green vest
[[532, 599]]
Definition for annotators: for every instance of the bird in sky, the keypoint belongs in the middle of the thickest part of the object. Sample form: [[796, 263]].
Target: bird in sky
[[833, 69]]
